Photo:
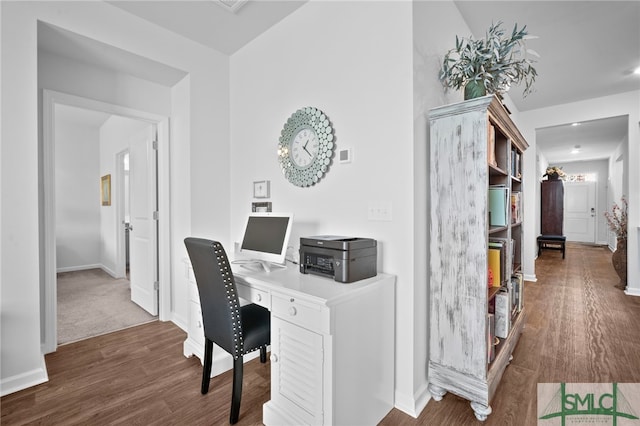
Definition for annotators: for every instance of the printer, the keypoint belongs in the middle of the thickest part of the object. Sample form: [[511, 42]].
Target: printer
[[345, 259]]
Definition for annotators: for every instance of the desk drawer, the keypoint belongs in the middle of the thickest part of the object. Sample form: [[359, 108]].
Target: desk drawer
[[298, 312], [253, 295]]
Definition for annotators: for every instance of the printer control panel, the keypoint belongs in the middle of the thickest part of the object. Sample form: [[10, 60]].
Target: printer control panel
[[320, 264]]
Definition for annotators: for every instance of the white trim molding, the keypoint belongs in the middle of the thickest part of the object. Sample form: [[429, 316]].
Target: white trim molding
[[24, 380], [50, 99]]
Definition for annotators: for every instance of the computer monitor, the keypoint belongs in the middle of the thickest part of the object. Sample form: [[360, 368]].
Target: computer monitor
[[266, 238]]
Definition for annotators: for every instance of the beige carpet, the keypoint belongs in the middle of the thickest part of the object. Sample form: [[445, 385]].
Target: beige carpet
[[91, 303]]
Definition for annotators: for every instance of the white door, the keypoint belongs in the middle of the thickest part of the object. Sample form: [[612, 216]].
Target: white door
[[143, 237], [580, 211]]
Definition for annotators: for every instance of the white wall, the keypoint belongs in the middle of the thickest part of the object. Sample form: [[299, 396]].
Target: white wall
[[207, 99], [77, 178], [435, 25], [618, 184], [180, 154], [114, 138], [359, 72], [76, 78], [593, 109]]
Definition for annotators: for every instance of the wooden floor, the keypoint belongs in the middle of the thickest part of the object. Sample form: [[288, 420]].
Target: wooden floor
[[580, 328]]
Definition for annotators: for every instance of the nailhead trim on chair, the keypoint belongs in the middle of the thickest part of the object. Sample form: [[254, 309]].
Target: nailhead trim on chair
[[232, 298]]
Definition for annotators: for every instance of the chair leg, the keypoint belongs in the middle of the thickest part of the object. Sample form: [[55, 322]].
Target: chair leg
[[206, 367], [263, 354], [236, 395]]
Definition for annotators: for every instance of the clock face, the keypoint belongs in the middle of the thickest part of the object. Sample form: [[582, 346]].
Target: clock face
[[306, 147]]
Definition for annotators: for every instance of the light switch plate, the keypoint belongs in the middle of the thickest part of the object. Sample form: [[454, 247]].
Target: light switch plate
[[380, 211]]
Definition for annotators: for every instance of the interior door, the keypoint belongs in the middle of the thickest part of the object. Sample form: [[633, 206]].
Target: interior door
[[580, 211], [143, 236]]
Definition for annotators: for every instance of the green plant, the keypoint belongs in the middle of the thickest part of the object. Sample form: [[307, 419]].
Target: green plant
[[496, 62]]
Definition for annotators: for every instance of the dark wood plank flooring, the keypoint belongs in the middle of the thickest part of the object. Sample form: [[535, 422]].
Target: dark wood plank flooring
[[580, 328]]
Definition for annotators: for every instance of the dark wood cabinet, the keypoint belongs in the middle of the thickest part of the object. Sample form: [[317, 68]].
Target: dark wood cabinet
[[552, 207]]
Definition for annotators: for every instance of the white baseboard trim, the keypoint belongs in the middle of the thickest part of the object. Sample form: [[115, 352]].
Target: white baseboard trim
[[180, 322], [412, 405], [528, 277], [86, 267], [632, 291], [110, 272], [79, 268], [24, 380]]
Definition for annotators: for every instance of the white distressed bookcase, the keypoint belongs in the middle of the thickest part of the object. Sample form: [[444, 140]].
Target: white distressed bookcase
[[460, 175]]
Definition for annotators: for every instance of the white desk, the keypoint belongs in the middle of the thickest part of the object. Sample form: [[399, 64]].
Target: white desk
[[332, 346]]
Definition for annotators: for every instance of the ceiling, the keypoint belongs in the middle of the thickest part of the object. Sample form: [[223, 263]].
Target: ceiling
[[593, 139], [213, 23], [587, 49]]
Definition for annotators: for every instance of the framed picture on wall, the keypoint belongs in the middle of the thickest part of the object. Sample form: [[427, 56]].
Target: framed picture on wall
[[261, 189], [105, 190]]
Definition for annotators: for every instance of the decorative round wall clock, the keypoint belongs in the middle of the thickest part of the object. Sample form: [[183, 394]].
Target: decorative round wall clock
[[306, 146]]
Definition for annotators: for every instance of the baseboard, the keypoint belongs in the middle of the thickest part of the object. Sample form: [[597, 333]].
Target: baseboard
[[180, 322], [110, 272], [412, 405], [632, 291], [24, 380], [86, 267], [529, 277], [79, 268]]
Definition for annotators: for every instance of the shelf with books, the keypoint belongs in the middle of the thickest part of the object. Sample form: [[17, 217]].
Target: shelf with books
[[496, 229], [505, 346], [496, 172], [498, 147], [482, 200], [492, 291]]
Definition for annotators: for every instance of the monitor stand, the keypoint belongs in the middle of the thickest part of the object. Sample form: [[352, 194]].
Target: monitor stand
[[260, 265]]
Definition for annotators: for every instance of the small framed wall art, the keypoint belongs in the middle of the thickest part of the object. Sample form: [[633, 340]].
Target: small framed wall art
[[261, 189], [105, 190]]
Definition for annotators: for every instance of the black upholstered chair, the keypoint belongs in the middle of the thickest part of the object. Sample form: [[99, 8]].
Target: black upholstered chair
[[236, 329]]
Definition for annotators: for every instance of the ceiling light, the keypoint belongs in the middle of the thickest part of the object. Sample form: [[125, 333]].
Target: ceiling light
[[575, 124], [576, 149], [636, 71]]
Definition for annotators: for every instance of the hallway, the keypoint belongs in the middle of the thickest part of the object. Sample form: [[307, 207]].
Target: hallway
[[580, 328]]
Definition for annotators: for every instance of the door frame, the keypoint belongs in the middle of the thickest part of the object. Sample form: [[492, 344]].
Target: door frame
[[121, 263], [48, 307]]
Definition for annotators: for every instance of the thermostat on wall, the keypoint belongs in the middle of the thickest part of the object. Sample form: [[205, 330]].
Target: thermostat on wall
[[344, 155]]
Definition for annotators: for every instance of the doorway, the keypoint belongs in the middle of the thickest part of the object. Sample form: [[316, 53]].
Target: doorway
[[580, 211], [94, 287], [123, 213], [162, 257]]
